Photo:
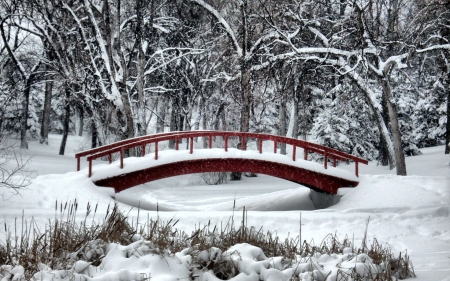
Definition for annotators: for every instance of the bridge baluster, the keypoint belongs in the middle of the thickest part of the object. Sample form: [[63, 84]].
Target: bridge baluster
[[325, 160], [191, 145], [90, 167], [210, 141], [156, 150], [260, 145], [110, 158], [143, 150], [226, 142], [356, 169], [243, 146], [176, 144], [305, 154], [294, 152], [274, 147], [121, 158], [78, 163], [334, 162]]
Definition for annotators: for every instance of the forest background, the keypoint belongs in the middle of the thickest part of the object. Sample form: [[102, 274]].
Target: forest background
[[367, 77]]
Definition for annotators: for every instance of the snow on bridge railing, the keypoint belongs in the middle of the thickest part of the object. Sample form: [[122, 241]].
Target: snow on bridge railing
[[143, 141]]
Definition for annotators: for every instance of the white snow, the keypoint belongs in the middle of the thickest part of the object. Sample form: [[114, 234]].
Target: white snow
[[409, 213]]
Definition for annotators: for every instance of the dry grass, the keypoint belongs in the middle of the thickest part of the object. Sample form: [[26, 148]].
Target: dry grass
[[65, 241]]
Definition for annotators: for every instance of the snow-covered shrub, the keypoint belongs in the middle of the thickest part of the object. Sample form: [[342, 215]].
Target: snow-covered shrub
[[215, 178]]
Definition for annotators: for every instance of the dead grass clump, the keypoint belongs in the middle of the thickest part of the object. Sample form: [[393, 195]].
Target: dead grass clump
[[66, 240]]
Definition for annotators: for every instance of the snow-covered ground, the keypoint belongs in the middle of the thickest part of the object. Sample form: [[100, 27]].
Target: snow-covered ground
[[410, 213]]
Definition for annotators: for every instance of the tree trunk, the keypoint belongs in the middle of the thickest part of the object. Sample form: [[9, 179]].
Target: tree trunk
[[282, 118], [384, 132], [395, 128], [447, 134], [160, 116], [94, 134], [66, 122], [80, 129], [25, 111], [383, 158], [45, 125]]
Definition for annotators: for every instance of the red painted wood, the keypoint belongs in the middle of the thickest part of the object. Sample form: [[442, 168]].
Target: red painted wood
[[305, 177], [119, 147], [294, 153], [121, 158]]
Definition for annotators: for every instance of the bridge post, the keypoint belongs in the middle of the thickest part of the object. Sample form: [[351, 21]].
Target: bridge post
[[121, 158], [294, 152]]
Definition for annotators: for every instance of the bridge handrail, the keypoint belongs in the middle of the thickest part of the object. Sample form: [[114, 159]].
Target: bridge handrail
[[119, 147]]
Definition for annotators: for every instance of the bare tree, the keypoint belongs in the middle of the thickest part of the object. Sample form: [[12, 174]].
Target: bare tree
[[14, 174]]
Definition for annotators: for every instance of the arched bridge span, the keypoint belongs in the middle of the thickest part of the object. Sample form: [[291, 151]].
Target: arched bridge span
[[307, 173]]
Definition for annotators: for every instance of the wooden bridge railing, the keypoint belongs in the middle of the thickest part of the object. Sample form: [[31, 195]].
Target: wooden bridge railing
[[142, 142]]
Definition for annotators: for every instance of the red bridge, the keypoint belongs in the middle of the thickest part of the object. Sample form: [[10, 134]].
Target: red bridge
[[307, 173]]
